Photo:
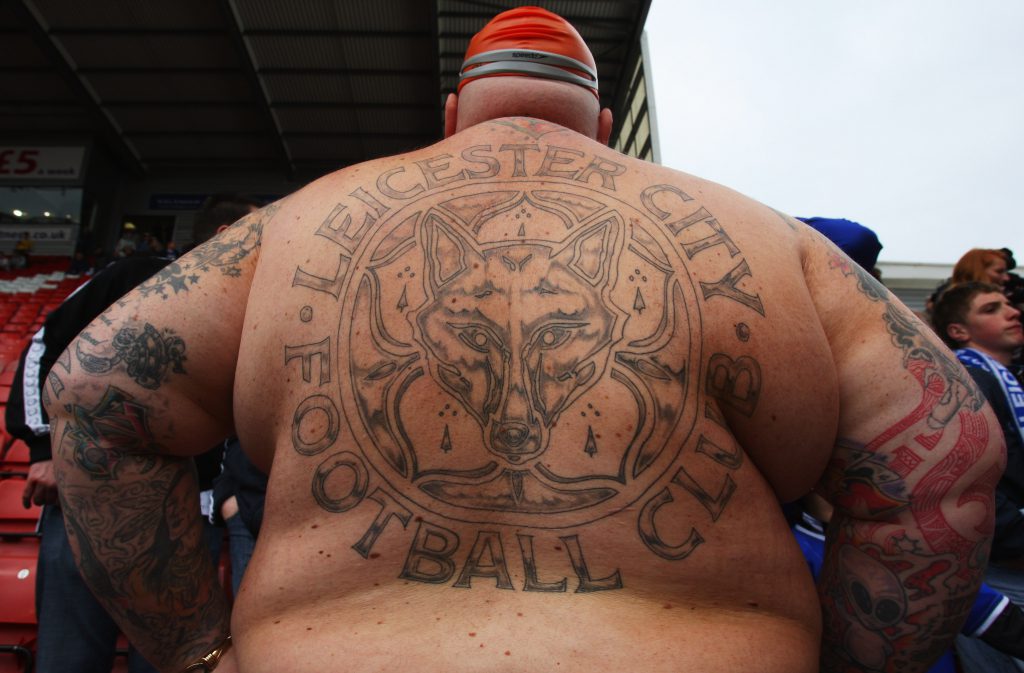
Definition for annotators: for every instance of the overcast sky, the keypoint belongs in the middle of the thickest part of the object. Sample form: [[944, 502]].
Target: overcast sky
[[904, 115]]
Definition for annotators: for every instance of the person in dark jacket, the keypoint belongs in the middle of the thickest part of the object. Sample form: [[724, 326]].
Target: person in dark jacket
[[979, 323], [75, 631], [238, 496]]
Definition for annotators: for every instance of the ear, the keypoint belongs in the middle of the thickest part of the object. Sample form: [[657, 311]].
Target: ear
[[451, 115], [604, 126], [958, 332], [448, 252], [593, 252]]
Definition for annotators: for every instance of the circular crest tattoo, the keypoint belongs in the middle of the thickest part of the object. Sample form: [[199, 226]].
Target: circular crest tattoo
[[517, 308]]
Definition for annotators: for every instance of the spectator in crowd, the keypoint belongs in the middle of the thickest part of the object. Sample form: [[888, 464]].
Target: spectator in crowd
[[171, 251], [23, 250], [156, 246], [217, 209], [79, 264], [238, 496], [129, 241], [75, 631], [980, 265], [853, 238], [979, 323], [143, 247], [1014, 287]]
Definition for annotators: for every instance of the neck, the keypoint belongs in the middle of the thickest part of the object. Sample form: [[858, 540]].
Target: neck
[[1002, 358]]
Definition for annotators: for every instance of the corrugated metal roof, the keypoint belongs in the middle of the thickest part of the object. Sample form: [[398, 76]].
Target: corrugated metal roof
[[51, 120], [373, 121], [21, 52], [129, 14], [35, 86], [301, 86], [348, 15], [359, 52], [180, 146], [206, 118], [339, 88], [137, 51], [147, 86]]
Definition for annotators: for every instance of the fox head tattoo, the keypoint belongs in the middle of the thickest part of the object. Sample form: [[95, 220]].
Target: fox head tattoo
[[518, 330]]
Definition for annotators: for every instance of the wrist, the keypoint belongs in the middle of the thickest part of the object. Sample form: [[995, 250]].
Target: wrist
[[209, 661]]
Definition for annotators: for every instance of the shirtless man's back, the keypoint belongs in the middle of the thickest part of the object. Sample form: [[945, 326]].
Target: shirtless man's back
[[528, 404]]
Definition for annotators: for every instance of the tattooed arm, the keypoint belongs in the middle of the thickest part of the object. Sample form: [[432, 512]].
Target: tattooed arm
[[911, 478], [144, 387]]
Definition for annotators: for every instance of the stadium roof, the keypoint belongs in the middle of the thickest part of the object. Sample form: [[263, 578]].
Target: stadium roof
[[298, 88]]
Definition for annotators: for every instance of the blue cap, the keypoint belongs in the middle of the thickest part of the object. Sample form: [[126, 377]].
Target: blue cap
[[856, 240]]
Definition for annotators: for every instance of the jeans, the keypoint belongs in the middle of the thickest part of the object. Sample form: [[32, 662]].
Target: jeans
[[76, 635], [240, 546], [977, 656]]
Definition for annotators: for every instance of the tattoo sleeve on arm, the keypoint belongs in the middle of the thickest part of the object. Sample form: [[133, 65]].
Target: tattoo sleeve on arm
[[131, 506], [904, 555], [147, 355], [133, 520]]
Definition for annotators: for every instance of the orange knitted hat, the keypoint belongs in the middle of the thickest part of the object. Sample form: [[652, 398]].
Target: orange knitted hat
[[531, 42]]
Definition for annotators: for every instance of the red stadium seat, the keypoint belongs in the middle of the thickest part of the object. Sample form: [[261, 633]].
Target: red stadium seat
[[17, 649], [15, 520], [120, 662], [16, 457], [121, 655], [18, 587], [17, 611]]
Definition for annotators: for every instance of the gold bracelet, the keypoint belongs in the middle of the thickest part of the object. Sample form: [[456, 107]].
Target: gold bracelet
[[209, 661]]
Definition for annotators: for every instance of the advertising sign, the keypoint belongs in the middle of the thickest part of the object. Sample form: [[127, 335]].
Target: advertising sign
[[46, 239], [35, 164]]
